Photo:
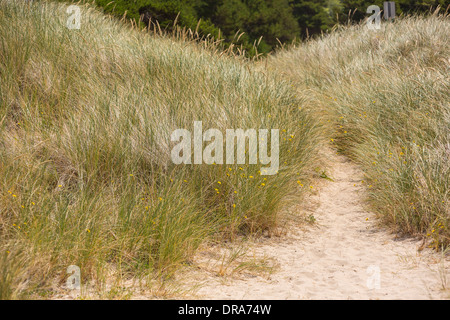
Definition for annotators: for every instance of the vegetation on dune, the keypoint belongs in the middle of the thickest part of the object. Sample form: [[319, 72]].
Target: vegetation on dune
[[256, 26], [385, 96], [86, 116], [86, 176]]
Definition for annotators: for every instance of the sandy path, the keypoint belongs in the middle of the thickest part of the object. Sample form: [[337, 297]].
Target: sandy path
[[339, 258]]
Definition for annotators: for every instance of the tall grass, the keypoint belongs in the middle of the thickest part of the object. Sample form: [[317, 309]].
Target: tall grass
[[385, 97], [86, 176]]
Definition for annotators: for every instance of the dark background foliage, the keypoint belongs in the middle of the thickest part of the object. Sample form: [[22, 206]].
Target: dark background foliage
[[275, 20]]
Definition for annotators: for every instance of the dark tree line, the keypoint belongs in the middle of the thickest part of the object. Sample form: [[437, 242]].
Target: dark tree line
[[275, 20]]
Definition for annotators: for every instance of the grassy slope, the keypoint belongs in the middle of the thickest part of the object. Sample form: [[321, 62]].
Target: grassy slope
[[86, 117], [385, 96], [85, 170]]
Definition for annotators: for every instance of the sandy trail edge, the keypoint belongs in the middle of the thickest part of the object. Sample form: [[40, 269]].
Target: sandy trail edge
[[340, 258]]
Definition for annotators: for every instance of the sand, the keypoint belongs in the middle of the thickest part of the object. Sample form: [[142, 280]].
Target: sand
[[345, 254]]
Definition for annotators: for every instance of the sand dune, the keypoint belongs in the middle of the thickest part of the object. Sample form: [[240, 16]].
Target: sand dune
[[346, 255]]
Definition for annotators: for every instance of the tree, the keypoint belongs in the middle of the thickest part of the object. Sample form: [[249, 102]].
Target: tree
[[274, 20]]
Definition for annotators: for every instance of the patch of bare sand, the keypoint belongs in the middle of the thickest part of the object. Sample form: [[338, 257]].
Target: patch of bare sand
[[343, 256]]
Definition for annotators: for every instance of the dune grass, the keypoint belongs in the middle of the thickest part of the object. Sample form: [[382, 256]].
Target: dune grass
[[385, 98], [86, 176]]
